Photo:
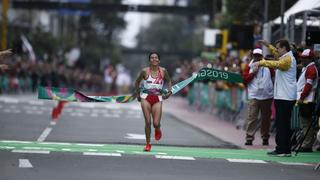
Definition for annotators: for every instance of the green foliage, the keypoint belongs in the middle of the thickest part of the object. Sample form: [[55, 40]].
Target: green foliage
[[44, 43], [99, 37], [171, 33], [245, 11]]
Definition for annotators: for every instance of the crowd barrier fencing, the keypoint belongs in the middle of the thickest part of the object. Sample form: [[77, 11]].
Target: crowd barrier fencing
[[228, 102]]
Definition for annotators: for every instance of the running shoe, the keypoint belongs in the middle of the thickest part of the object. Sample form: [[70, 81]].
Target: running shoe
[[158, 134], [147, 148]]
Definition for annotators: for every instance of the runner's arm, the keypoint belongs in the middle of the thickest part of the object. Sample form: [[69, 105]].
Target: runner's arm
[[137, 83], [169, 82]]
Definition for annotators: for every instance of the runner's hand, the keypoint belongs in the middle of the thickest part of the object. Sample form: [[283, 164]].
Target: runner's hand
[[167, 95], [138, 96]]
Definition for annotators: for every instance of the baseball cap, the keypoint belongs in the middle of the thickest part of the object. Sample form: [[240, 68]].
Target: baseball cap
[[307, 53], [257, 51]]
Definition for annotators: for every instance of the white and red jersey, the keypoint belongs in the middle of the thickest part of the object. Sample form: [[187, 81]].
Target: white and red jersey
[[307, 83], [153, 85]]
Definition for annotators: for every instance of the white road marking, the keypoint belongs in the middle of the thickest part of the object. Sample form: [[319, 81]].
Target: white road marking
[[101, 154], [34, 112], [82, 110], [29, 112], [10, 100], [53, 123], [92, 150], [36, 102], [34, 108], [31, 151], [45, 108], [66, 149], [175, 157], [38, 148], [135, 107], [76, 114], [161, 153], [94, 115], [44, 134], [87, 105], [92, 145], [55, 143], [25, 163], [247, 161], [135, 136], [107, 115], [9, 141], [294, 163], [112, 106], [133, 117], [6, 147], [118, 151]]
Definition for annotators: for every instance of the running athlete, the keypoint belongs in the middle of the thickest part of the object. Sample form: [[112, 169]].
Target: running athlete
[[151, 95]]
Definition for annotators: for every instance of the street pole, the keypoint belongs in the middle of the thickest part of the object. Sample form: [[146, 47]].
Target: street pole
[[282, 18], [266, 11], [4, 25]]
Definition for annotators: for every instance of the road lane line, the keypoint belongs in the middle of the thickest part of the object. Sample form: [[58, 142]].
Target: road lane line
[[92, 145], [247, 161], [294, 163], [55, 143], [175, 157], [25, 163], [44, 134], [31, 151], [6, 147], [10, 100], [36, 102], [39, 148], [12, 141], [101, 154]]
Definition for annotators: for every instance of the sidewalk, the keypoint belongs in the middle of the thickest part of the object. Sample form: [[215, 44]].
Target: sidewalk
[[211, 124]]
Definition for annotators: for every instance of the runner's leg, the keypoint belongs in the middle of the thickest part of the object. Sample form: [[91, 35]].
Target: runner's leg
[[156, 116], [146, 109]]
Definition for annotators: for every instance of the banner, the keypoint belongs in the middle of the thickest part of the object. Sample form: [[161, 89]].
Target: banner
[[214, 74], [72, 95]]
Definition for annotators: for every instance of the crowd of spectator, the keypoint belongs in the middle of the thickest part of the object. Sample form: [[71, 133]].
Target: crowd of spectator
[[23, 76]]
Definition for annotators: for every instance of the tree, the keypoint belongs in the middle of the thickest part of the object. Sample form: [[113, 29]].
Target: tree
[[98, 36], [246, 11], [172, 33]]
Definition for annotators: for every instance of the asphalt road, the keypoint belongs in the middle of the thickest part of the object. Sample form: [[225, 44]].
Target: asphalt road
[[105, 141]]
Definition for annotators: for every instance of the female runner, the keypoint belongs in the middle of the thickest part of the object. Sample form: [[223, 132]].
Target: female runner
[[151, 95]]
